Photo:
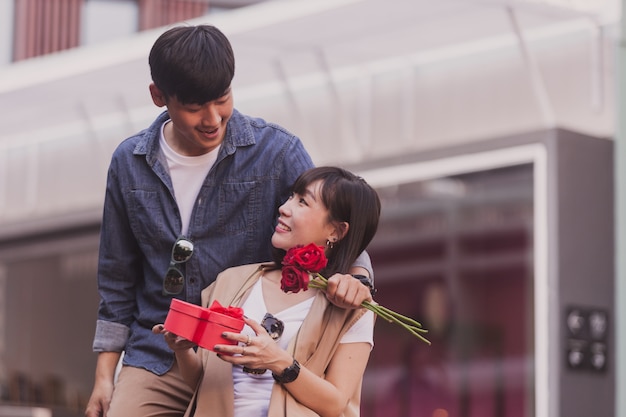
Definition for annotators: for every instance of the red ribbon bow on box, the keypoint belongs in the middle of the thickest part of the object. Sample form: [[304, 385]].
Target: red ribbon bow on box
[[235, 312]]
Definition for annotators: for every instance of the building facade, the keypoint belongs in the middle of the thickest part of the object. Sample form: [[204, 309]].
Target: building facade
[[488, 130]]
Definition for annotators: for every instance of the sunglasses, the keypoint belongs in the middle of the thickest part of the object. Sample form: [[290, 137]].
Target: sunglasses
[[274, 326], [174, 280]]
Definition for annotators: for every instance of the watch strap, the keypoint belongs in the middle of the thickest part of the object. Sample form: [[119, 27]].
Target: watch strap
[[367, 282]]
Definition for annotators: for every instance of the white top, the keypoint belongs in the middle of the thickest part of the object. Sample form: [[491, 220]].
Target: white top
[[188, 174], [252, 392]]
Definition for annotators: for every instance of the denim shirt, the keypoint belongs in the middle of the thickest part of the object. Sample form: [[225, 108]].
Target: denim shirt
[[231, 224]]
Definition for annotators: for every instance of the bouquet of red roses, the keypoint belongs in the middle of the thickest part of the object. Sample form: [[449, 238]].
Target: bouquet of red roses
[[301, 262]]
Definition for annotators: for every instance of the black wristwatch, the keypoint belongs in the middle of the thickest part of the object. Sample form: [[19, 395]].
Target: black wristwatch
[[289, 374], [366, 281]]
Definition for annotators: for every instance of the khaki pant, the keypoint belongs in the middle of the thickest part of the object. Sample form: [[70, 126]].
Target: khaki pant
[[140, 393]]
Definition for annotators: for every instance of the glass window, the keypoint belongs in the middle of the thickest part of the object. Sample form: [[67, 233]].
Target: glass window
[[456, 254], [155, 13], [45, 26]]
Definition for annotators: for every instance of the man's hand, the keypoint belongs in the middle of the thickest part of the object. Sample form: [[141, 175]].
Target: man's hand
[[176, 343], [347, 292], [98, 404], [100, 399]]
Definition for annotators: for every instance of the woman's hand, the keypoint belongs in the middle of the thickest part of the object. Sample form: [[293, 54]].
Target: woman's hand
[[345, 291], [256, 352], [176, 343]]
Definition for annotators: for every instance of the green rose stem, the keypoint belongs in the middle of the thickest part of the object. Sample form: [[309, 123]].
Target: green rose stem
[[414, 327]]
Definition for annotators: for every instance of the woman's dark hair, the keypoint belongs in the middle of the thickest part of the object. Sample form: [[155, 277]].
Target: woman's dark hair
[[194, 64], [349, 199]]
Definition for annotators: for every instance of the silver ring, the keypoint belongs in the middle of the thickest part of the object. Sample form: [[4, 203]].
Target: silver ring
[[243, 351], [248, 341]]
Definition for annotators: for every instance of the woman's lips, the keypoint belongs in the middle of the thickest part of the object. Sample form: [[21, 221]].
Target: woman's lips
[[283, 227]]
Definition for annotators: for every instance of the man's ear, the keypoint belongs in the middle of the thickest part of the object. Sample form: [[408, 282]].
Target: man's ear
[[157, 96]]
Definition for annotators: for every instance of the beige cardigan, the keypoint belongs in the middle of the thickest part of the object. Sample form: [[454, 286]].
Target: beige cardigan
[[214, 395]]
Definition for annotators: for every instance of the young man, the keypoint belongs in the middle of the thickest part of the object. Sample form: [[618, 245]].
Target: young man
[[193, 194]]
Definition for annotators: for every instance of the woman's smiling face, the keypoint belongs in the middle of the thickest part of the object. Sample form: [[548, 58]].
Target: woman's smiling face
[[303, 219]]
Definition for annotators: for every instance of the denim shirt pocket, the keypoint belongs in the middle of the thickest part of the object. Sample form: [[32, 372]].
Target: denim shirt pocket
[[237, 204], [147, 216]]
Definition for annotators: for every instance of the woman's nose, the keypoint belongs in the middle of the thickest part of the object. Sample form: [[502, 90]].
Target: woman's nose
[[284, 208]]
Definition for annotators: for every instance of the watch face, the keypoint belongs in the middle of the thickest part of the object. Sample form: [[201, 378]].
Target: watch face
[[289, 374]]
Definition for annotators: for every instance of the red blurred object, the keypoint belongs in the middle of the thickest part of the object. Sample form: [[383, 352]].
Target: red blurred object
[[203, 326]]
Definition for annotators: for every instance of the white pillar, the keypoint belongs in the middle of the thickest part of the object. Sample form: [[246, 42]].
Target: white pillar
[[6, 31], [620, 222], [3, 304]]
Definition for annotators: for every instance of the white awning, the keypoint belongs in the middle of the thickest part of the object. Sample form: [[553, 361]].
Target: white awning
[[357, 80]]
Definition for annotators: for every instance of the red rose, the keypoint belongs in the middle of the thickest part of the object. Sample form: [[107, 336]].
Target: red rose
[[310, 258], [289, 256], [294, 279], [300, 261]]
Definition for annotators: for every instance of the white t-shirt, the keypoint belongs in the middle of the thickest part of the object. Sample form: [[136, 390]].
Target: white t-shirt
[[188, 174], [252, 392]]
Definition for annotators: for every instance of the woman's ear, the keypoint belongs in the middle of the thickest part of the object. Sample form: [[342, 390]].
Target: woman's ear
[[157, 95], [340, 231]]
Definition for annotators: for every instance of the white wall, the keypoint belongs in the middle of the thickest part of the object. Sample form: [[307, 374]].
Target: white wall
[[6, 31], [105, 20]]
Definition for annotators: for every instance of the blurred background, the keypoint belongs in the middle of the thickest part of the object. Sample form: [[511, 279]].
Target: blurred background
[[490, 129]]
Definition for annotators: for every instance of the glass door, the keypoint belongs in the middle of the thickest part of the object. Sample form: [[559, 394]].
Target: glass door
[[456, 252]]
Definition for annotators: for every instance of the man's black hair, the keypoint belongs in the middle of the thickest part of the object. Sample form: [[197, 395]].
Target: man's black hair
[[194, 64]]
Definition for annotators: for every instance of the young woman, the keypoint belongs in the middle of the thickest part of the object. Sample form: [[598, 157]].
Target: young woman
[[298, 355]]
